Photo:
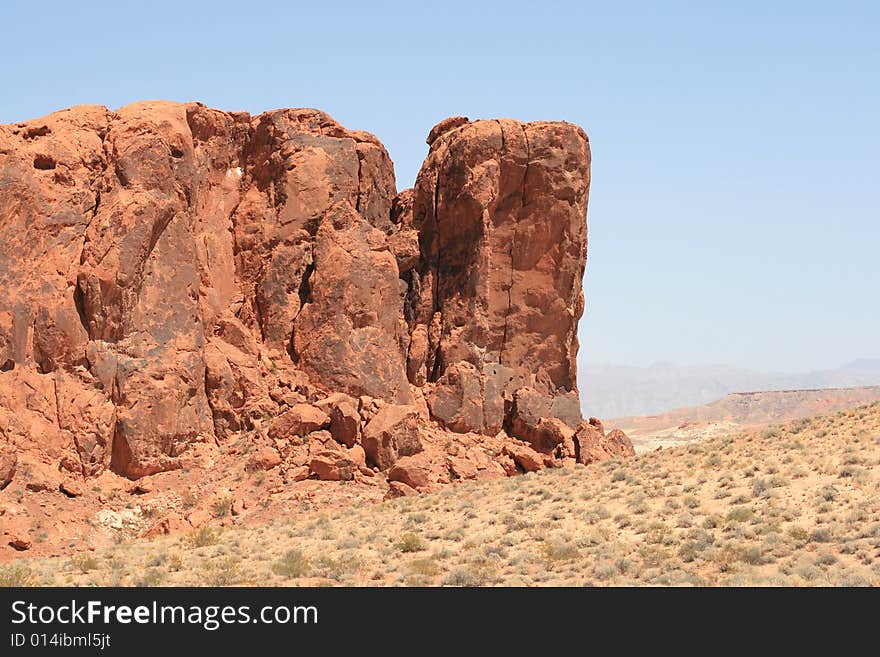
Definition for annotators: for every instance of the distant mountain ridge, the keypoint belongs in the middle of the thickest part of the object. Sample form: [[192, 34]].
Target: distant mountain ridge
[[614, 391]]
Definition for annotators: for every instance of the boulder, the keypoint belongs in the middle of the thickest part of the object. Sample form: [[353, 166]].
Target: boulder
[[399, 489], [333, 466], [20, 542], [404, 244], [420, 471], [357, 454], [71, 488], [263, 457], [538, 418], [199, 518], [298, 421], [300, 473], [524, 457], [593, 445], [462, 468], [170, 524], [619, 444], [345, 420], [393, 432]]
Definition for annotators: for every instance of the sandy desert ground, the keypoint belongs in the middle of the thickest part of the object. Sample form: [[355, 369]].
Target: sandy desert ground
[[795, 504]]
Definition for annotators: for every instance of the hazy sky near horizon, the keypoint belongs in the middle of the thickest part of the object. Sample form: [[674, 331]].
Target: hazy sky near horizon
[[735, 206]]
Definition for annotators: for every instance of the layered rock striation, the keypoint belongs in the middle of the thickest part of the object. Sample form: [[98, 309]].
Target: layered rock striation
[[175, 276]]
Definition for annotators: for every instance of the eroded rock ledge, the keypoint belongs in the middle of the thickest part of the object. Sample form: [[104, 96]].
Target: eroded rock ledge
[[175, 277]]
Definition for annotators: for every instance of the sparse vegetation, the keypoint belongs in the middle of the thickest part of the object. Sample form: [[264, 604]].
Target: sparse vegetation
[[793, 505], [201, 537], [84, 562], [222, 507], [15, 574], [410, 542], [293, 564]]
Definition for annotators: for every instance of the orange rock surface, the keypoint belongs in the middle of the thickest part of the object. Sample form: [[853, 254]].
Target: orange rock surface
[[190, 294]]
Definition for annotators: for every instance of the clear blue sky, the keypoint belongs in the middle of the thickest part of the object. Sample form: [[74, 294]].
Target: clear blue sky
[[736, 146]]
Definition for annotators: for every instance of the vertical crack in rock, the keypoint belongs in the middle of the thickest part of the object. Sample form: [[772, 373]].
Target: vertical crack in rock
[[94, 208], [244, 185], [410, 299], [305, 298], [211, 407], [155, 234], [305, 286], [120, 454], [96, 187], [35, 348], [512, 248], [436, 371], [57, 400], [259, 314], [79, 305], [513, 240], [118, 451], [360, 159]]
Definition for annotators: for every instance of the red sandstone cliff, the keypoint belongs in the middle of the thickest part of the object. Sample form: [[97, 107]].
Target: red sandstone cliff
[[174, 276]]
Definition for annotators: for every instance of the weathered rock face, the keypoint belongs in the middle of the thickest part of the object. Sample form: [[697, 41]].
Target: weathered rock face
[[500, 210], [174, 276], [347, 335]]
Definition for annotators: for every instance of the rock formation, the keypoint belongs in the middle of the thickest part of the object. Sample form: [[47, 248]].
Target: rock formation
[[175, 277]]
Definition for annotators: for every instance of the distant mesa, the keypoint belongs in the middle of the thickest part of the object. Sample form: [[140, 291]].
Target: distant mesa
[[739, 411]]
